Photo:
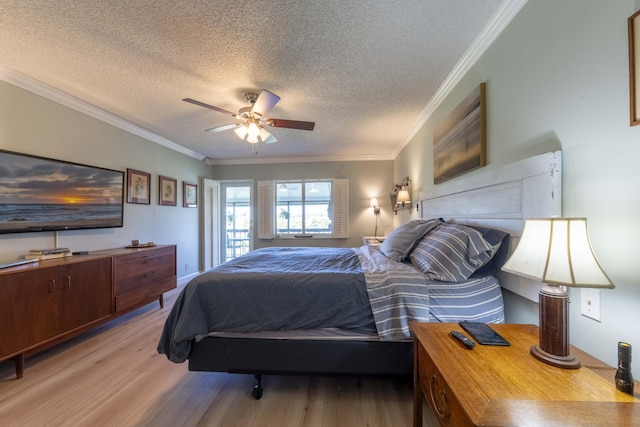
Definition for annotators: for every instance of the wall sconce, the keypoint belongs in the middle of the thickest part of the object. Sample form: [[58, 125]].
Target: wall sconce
[[375, 205], [401, 196]]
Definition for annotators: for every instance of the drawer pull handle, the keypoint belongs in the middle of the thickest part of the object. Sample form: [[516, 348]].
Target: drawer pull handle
[[444, 412]]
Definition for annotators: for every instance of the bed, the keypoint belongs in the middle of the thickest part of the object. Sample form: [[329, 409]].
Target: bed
[[338, 311]]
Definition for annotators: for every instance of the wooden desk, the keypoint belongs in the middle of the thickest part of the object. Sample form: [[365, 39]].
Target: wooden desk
[[495, 386]]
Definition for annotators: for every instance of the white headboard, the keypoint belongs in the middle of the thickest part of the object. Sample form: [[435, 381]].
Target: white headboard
[[503, 198]]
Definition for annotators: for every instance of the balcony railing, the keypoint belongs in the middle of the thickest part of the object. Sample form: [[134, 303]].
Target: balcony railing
[[237, 243]]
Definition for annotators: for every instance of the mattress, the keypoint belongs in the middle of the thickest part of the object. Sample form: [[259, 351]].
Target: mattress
[[289, 289], [475, 300]]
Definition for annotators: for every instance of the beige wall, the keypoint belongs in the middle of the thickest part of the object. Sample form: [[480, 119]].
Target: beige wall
[[557, 78], [34, 125], [367, 179]]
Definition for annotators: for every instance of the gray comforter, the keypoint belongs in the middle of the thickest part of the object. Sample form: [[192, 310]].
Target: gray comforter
[[274, 289]]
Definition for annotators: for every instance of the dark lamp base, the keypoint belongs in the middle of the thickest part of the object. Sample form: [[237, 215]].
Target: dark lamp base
[[565, 362]]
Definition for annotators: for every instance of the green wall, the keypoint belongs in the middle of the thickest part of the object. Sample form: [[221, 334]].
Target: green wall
[[557, 78], [35, 125]]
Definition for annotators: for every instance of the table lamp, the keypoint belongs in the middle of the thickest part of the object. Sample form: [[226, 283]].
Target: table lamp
[[556, 251]]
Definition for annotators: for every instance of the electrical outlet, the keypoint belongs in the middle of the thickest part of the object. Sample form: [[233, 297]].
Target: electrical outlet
[[186, 267], [590, 303]]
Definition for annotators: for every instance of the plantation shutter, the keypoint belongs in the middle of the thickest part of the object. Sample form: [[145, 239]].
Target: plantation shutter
[[341, 208], [211, 223], [265, 210]]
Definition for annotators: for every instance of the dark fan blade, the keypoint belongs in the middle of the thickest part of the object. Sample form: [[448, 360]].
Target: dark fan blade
[[224, 127], [265, 102], [291, 124], [211, 107]]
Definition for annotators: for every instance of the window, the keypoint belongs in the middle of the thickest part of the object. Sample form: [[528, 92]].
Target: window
[[303, 208]]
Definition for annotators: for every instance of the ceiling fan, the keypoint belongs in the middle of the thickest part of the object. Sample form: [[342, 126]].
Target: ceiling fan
[[253, 121]]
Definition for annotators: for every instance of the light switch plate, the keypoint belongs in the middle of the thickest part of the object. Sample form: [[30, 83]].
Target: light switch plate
[[590, 303]]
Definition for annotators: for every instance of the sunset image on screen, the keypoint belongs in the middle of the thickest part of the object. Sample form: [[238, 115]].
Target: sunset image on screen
[[45, 193]]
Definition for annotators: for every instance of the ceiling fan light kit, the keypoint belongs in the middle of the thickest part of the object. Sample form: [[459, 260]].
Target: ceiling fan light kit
[[253, 120]]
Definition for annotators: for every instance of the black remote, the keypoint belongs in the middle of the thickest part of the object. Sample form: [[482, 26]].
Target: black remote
[[463, 339]]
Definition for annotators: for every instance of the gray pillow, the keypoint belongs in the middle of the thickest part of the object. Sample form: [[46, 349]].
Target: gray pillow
[[452, 253], [399, 244]]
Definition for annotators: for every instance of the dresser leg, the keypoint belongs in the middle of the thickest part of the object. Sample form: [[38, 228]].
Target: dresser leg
[[417, 390], [161, 300], [19, 361]]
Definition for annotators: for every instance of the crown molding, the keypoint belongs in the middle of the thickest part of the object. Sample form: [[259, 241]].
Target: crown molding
[[318, 159], [494, 28], [27, 83]]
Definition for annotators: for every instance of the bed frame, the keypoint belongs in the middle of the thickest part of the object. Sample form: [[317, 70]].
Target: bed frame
[[501, 198]]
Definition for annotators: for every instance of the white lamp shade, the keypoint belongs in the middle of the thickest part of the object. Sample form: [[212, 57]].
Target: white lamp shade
[[403, 196], [264, 134], [374, 202], [241, 131], [557, 251]]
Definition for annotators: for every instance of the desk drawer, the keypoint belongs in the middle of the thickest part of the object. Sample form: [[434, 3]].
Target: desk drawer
[[438, 395]]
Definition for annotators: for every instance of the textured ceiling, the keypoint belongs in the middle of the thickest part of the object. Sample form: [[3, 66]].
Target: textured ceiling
[[362, 70]]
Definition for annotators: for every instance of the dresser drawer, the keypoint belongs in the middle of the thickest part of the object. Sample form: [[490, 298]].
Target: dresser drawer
[[145, 275], [438, 395], [140, 254], [144, 261], [145, 294]]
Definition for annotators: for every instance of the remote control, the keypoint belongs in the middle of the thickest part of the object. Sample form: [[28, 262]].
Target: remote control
[[463, 339]]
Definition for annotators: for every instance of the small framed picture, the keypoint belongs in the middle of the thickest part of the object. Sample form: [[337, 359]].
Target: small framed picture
[[138, 187], [167, 191], [189, 195]]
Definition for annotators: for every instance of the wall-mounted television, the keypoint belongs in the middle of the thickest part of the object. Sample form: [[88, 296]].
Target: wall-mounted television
[[42, 194]]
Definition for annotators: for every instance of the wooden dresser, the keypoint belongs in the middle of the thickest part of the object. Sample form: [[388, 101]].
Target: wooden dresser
[[49, 301], [506, 386], [143, 276]]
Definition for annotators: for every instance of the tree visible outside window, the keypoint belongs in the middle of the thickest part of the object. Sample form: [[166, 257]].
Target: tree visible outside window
[[303, 207]]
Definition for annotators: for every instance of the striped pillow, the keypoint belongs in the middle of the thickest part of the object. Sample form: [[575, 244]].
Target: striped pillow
[[399, 244], [451, 253]]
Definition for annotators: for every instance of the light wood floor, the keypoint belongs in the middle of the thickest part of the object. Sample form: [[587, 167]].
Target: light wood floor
[[113, 376]]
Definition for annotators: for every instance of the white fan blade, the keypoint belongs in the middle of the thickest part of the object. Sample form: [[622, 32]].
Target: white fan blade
[[265, 102], [221, 128]]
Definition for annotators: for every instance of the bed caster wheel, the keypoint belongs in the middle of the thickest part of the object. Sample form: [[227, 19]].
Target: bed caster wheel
[[257, 392], [257, 389]]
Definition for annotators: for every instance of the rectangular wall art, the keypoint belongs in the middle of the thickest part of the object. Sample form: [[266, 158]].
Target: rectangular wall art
[[138, 187], [167, 191], [459, 142]]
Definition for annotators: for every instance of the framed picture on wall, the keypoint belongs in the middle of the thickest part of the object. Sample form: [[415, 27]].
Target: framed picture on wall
[[634, 67], [189, 195], [167, 191], [460, 140], [138, 187]]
